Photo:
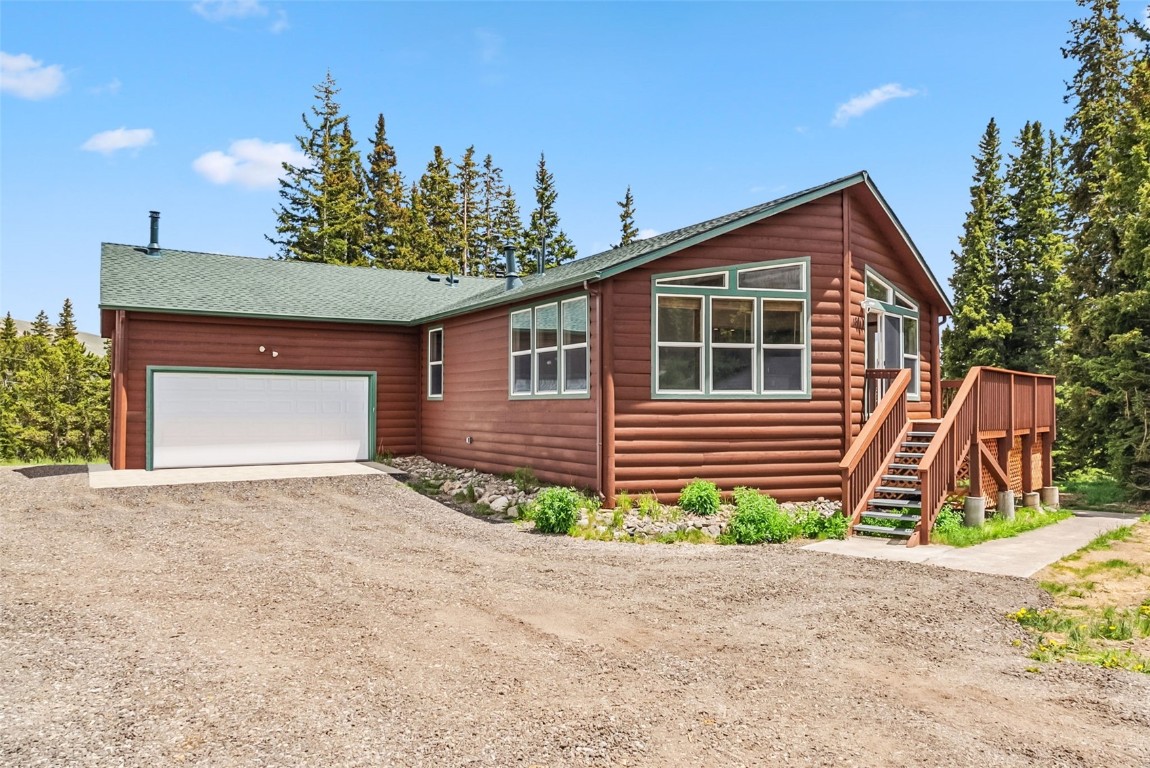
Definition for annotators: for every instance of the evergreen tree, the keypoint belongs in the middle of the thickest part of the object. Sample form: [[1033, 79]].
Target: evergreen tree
[[486, 256], [323, 215], [979, 328], [1030, 291], [66, 328], [467, 179], [507, 229], [385, 198], [439, 208], [543, 233], [628, 232], [41, 327], [8, 334]]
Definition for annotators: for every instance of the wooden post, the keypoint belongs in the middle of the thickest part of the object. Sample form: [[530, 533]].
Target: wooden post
[[1047, 460], [935, 365], [1028, 462], [974, 460]]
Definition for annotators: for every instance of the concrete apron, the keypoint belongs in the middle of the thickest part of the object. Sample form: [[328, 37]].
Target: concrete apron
[[103, 476], [1022, 555]]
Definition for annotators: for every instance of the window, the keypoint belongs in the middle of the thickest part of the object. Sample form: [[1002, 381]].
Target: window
[[742, 332], [549, 349], [892, 339], [435, 363]]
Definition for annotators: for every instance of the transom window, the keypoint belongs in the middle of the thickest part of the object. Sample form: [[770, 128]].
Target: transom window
[[892, 332], [549, 349], [435, 363], [739, 332]]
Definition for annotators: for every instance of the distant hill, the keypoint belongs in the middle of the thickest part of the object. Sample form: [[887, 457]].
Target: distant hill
[[92, 342]]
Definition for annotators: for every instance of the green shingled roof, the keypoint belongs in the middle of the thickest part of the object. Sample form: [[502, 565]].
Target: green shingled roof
[[215, 284], [206, 283]]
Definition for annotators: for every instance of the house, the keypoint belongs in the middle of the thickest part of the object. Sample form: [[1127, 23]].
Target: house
[[771, 347]]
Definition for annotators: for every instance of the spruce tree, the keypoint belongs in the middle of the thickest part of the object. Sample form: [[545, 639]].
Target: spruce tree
[[507, 229], [439, 208], [323, 215], [385, 198], [41, 327], [543, 233], [486, 256], [66, 327], [979, 329], [628, 231], [467, 177], [1030, 290]]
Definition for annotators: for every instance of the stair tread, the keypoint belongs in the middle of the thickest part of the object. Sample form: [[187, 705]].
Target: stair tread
[[922, 434], [892, 516], [897, 503], [902, 466], [892, 489], [905, 533], [908, 455], [902, 478]]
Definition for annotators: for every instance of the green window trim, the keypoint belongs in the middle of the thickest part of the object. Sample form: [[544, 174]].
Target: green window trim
[[553, 333], [897, 314], [152, 370], [435, 339], [721, 349]]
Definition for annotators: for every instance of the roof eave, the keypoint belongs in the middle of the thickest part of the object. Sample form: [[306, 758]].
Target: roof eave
[[257, 316]]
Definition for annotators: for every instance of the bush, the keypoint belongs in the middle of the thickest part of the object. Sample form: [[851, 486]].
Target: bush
[[758, 518], [556, 510], [623, 501], [524, 479], [832, 526], [701, 497], [949, 519]]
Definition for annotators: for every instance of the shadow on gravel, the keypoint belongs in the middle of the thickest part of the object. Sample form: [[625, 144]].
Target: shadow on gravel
[[51, 470]]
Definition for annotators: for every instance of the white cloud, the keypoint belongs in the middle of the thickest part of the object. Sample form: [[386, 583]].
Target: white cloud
[[860, 105], [280, 24], [112, 87], [249, 163], [224, 10], [23, 76], [645, 233], [490, 45], [108, 142]]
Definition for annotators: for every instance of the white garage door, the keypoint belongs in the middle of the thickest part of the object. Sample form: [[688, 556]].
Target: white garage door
[[229, 419]]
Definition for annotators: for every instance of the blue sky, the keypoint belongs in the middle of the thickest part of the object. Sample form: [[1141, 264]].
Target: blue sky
[[109, 110]]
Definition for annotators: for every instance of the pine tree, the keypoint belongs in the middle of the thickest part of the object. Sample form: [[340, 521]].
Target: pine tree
[[628, 232], [385, 198], [439, 209], [979, 329], [507, 228], [8, 334], [1030, 289], [467, 188], [543, 234], [324, 213], [486, 254], [41, 327], [66, 327]]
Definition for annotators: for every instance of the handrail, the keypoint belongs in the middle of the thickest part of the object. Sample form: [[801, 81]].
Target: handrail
[[862, 464]]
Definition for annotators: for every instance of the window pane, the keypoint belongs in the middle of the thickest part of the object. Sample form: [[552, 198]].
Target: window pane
[[877, 289], [788, 278], [783, 322], [903, 301], [679, 368], [909, 336], [680, 318], [782, 370], [548, 371], [892, 341], [731, 369], [911, 363], [521, 331], [546, 326], [575, 321], [575, 370], [521, 369], [435, 346], [732, 321], [709, 281], [436, 387]]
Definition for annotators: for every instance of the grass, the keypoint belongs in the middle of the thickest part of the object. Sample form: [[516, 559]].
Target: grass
[[1025, 519], [49, 463], [1094, 488]]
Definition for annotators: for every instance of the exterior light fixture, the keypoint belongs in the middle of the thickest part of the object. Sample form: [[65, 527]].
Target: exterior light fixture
[[871, 306]]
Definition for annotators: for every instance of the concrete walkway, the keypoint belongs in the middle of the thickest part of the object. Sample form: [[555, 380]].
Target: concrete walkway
[[1022, 555], [103, 476]]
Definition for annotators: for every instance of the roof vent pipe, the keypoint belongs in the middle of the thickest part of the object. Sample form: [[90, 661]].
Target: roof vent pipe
[[510, 269], [543, 254], [154, 243]]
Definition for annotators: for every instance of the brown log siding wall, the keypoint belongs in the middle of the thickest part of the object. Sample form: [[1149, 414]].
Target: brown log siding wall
[[788, 448], [158, 339], [557, 438], [870, 247]]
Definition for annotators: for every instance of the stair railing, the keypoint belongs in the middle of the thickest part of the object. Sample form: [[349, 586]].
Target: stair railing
[[863, 465]]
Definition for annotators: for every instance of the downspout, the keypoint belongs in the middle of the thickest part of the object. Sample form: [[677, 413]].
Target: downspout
[[598, 296], [607, 347]]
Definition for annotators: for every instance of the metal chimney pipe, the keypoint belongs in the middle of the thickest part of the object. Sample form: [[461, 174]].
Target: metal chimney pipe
[[543, 254], [510, 268], [154, 243]]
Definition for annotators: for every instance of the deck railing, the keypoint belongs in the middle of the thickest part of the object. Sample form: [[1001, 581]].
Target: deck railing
[[990, 403], [863, 465], [876, 382], [949, 390]]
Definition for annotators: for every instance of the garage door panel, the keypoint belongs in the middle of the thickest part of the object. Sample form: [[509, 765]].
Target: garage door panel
[[224, 419]]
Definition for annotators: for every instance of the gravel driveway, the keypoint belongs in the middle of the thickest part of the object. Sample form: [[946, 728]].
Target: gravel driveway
[[349, 621]]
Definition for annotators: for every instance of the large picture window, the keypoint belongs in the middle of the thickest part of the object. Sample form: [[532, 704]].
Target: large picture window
[[740, 332], [892, 332], [549, 349]]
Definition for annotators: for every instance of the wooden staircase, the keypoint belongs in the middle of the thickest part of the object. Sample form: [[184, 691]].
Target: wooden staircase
[[895, 509]]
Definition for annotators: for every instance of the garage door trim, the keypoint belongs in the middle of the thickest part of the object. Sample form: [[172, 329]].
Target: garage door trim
[[152, 370]]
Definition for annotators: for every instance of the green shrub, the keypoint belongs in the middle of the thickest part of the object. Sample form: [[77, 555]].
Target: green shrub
[[1096, 487], [758, 518], [949, 519], [701, 497], [524, 479], [623, 501], [832, 526], [556, 509], [649, 506]]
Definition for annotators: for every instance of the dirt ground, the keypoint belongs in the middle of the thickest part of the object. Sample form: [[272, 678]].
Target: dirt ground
[[349, 621]]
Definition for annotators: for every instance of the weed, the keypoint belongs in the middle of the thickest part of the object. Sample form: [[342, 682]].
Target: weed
[[428, 486], [758, 518], [384, 457], [700, 497], [1053, 587], [649, 506], [623, 501], [483, 509], [1025, 519], [1104, 540], [689, 536], [524, 479], [949, 519], [556, 510], [617, 518]]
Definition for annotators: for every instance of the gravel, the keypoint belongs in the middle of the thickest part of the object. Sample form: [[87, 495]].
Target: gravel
[[350, 621]]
